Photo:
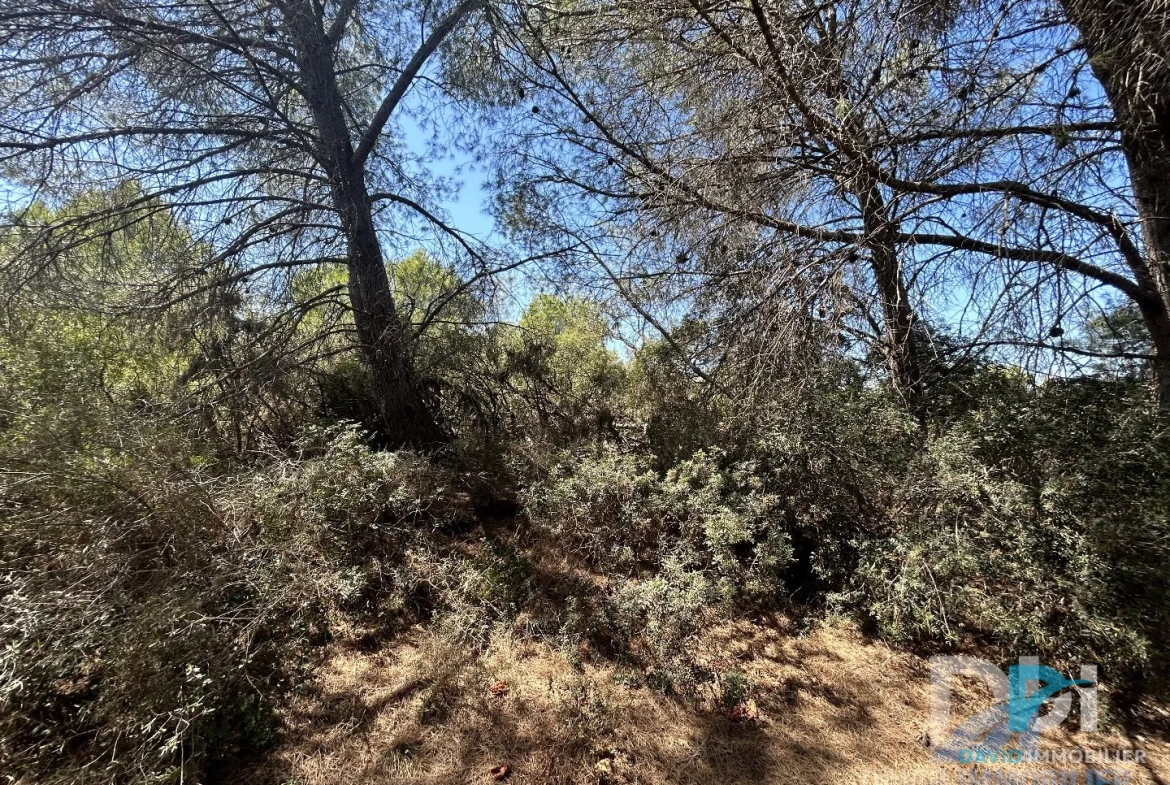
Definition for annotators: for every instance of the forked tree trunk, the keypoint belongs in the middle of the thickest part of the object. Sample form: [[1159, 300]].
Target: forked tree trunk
[[1126, 43], [385, 338]]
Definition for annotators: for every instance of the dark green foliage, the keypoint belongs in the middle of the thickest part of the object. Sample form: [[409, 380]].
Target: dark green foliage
[[1037, 522], [1033, 519], [706, 516], [156, 606]]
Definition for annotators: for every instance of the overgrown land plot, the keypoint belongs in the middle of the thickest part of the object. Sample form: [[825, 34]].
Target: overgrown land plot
[[585, 392]]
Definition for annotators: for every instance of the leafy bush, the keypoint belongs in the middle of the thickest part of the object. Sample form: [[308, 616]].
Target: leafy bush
[[734, 689], [618, 516], [134, 641], [468, 593], [154, 605], [700, 540], [600, 508], [658, 620], [1012, 530], [993, 523]]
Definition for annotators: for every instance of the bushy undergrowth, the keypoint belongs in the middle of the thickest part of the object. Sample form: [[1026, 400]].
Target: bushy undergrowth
[[167, 575], [1039, 523], [620, 517], [997, 527], [706, 537], [155, 605], [134, 634]]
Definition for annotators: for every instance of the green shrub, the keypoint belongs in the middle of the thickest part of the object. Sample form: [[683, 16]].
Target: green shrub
[[155, 605], [599, 508], [1039, 522], [734, 689], [699, 541], [610, 510], [468, 593], [134, 642]]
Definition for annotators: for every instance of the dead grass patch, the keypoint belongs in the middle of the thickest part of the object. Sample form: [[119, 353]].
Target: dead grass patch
[[827, 707]]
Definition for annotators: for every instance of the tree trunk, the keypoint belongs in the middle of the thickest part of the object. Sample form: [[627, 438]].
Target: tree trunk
[[385, 339], [899, 342], [1157, 321], [1125, 42]]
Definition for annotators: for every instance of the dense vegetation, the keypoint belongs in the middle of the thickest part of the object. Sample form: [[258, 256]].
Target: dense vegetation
[[888, 349]]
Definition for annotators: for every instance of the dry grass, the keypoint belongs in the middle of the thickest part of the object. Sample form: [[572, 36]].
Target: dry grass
[[824, 708]]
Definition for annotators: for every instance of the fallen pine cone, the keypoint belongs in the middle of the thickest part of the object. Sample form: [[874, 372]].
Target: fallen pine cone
[[501, 772]]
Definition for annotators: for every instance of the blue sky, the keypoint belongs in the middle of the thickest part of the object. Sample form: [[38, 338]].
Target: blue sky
[[468, 212]]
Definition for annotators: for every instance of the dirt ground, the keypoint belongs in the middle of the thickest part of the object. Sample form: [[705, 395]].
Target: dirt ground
[[824, 707]]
